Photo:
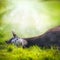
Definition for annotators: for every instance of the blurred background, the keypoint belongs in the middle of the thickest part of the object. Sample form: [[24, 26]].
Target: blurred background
[[28, 18]]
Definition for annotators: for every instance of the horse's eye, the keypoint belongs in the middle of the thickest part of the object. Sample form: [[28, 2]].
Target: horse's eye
[[17, 39]]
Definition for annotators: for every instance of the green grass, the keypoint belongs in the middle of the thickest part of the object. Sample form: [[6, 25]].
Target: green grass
[[11, 52]]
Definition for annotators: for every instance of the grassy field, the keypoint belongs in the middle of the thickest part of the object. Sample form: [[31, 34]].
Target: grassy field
[[33, 53]]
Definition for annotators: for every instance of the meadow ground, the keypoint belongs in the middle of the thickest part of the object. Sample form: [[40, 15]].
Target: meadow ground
[[11, 52]]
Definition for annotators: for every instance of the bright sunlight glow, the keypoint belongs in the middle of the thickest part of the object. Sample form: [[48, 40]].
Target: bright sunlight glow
[[28, 14]]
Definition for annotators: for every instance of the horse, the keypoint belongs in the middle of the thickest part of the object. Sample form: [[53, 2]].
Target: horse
[[48, 39]]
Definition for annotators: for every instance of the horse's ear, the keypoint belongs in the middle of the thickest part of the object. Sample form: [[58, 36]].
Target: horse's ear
[[14, 34]]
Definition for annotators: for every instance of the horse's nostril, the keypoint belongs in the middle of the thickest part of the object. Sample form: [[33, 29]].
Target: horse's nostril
[[6, 41]]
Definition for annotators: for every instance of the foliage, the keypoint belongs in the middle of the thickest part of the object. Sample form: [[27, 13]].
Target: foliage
[[33, 53]]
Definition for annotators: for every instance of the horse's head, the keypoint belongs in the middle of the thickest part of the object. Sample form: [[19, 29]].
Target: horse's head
[[16, 40]]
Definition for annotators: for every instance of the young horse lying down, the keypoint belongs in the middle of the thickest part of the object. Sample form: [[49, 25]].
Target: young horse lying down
[[48, 39]]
